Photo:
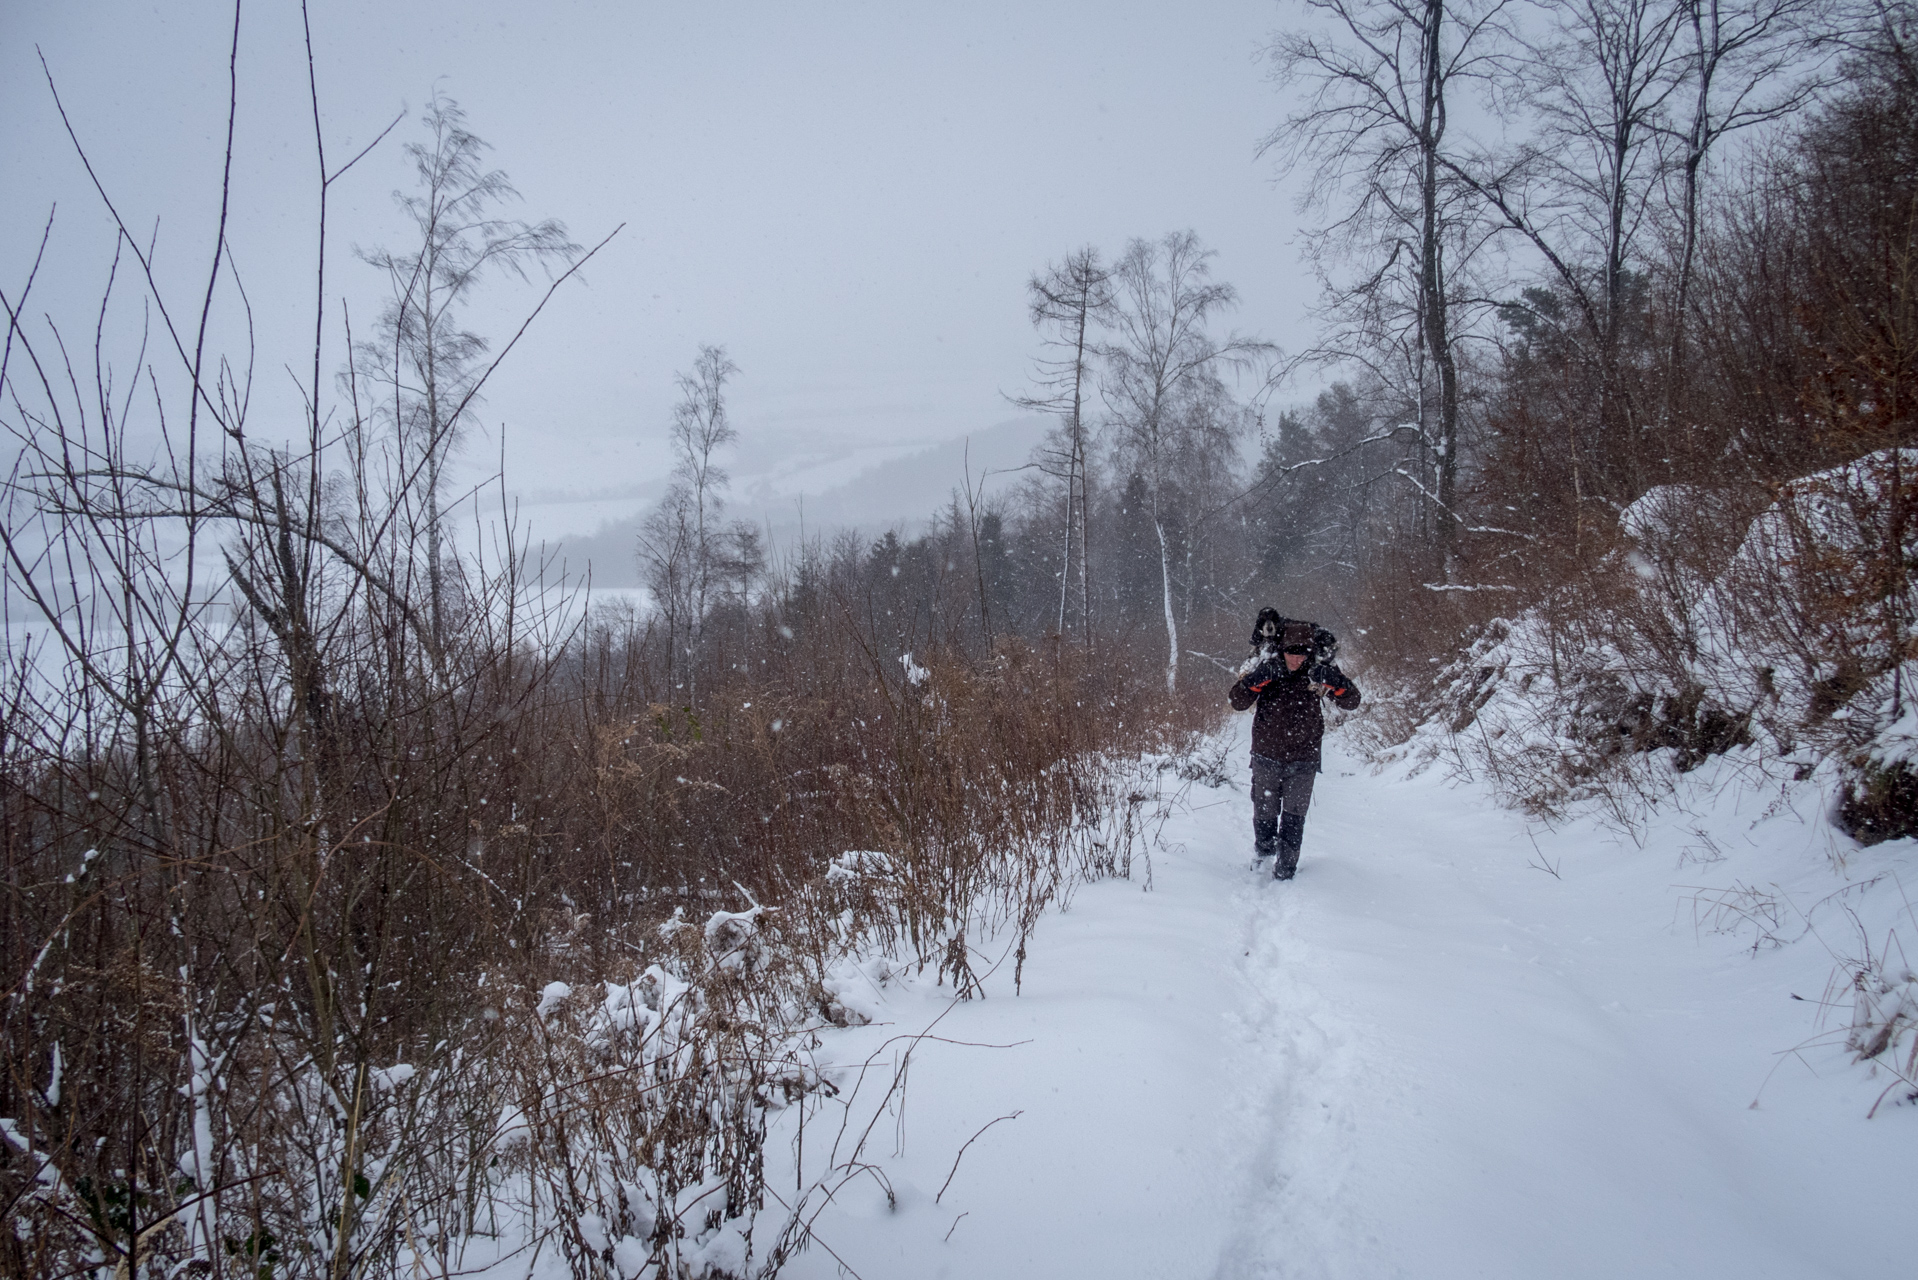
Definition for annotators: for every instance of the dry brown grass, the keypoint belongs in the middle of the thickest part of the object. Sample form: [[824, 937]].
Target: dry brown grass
[[208, 998]]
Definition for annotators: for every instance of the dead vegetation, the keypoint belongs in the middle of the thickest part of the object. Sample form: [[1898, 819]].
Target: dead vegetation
[[372, 907]]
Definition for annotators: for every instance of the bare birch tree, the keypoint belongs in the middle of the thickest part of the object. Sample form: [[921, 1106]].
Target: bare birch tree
[[682, 543], [1158, 363]]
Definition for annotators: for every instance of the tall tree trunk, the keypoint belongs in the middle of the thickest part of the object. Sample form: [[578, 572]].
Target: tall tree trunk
[[1165, 565], [1172, 622], [1695, 144], [1078, 464], [1697, 139], [435, 572], [696, 617], [1065, 573], [1434, 315], [439, 442], [1085, 551]]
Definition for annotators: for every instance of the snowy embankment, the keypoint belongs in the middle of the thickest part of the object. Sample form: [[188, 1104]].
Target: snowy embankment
[[1455, 1046]]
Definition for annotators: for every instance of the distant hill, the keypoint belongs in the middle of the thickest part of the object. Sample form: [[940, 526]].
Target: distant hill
[[898, 492]]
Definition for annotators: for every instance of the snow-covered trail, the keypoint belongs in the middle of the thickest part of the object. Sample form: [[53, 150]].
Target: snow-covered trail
[[1492, 1071], [1422, 1058]]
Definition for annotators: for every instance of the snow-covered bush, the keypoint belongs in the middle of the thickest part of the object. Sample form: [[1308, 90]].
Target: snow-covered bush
[[1203, 762], [1885, 1008], [1710, 627], [637, 1123], [1875, 992]]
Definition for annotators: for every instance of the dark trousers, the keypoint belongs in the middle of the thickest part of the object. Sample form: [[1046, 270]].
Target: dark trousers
[[1281, 789]]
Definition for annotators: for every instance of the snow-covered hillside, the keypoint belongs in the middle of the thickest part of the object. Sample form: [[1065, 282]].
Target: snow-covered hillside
[[1457, 1045]]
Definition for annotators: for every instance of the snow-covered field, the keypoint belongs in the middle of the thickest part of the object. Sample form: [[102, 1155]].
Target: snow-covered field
[[1454, 1046]]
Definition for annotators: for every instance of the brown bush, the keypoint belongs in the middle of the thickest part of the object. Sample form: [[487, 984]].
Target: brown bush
[[209, 997]]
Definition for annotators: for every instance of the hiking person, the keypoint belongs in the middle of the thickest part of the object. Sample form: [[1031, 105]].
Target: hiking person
[[1291, 670]]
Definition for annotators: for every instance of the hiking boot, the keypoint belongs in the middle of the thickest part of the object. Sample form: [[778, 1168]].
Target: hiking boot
[[1291, 837], [1265, 841]]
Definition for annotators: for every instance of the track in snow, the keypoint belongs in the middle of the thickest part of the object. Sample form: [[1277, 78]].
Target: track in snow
[[1422, 1058]]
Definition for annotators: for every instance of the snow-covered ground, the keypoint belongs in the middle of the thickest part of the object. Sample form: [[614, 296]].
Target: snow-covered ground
[[1455, 1046]]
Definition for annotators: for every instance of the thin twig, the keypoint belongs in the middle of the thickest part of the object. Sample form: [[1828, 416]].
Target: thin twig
[[962, 1155]]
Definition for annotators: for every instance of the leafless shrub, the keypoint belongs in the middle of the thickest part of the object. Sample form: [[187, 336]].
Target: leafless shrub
[[1733, 908], [1876, 990], [305, 807]]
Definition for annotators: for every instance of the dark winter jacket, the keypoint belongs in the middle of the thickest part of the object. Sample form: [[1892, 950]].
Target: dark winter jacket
[[1288, 725]]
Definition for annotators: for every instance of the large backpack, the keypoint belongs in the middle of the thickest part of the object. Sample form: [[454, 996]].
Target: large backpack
[[1325, 645]]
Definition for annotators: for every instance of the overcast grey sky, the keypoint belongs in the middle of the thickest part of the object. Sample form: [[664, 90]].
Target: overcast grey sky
[[849, 196]]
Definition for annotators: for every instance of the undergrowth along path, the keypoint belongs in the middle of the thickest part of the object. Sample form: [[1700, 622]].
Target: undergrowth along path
[[1454, 1046]]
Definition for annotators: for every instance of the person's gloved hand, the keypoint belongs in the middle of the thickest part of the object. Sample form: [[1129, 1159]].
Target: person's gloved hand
[[1328, 679], [1265, 673]]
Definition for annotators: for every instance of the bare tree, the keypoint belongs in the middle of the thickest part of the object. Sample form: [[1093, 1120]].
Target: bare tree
[[682, 544], [1752, 62], [1603, 87], [665, 562], [1067, 302], [1581, 189], [1609, 85], [428, 366], [1161, 370], [1374, 130]]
